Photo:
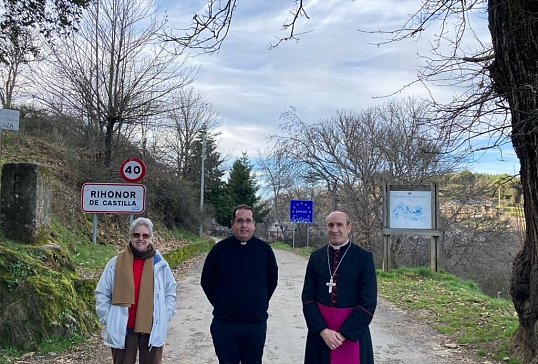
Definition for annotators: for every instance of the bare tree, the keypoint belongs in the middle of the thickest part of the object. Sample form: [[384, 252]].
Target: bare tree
[[113, 72], [18, 49], [353, 153], [191, 114], [280, 175], [413, 152]]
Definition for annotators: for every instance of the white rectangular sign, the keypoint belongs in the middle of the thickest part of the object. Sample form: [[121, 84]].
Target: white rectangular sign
[[127, 198], [410, 210], [9, 119]]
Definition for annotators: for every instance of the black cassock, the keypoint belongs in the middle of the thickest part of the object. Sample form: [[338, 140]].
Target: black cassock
[[356, 287]]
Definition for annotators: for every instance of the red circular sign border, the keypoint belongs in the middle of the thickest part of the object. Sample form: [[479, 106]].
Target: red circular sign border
[[142, 165]]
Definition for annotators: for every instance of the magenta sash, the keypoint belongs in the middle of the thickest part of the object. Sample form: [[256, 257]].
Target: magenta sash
[[348, 352]]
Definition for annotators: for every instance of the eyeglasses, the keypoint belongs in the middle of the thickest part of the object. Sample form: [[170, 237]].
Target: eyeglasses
[[137, 235], [241, 221]]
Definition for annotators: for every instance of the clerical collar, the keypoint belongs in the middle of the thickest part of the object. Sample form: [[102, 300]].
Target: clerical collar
[[242, 242], [339, 246]]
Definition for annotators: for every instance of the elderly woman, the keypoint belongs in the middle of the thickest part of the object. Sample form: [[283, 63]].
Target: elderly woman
[[135, 299]]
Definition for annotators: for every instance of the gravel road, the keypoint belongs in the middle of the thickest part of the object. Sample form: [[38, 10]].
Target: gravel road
[[397, 337]]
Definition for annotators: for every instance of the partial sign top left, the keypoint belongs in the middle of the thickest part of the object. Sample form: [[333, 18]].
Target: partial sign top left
[[9, 119]]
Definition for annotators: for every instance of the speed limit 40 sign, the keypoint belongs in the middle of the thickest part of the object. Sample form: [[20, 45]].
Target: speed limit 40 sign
[[132, 170]]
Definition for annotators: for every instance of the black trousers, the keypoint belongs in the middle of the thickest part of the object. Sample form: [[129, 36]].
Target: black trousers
[[136, 343], [238, 343]]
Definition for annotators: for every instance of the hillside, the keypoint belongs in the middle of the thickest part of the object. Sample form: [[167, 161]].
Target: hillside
[[46, 290]]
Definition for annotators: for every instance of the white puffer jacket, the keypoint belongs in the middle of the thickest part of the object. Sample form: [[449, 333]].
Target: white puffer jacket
[[114, 318]]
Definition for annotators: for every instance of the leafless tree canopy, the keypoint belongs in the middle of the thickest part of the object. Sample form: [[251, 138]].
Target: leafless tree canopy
[[114, 73], [191, 115], [17, 51], [280, 175], [209, 28], [352, 153]]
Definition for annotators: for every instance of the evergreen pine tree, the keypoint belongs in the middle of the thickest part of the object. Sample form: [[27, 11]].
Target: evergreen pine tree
[[241, 188]]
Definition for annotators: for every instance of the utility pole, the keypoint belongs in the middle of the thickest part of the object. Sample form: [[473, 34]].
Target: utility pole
[[201, 232]]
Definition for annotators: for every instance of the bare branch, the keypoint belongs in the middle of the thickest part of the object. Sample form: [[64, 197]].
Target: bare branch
[[490, 57], [208, 30], [298, 12]]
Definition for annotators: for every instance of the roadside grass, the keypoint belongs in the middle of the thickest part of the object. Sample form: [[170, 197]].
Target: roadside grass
[[6, 353], [453, 307], [10, 355], [186, 235], [85, 255], [304, 251]]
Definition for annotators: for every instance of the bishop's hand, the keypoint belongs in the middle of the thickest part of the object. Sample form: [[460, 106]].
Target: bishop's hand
[[332, 338]]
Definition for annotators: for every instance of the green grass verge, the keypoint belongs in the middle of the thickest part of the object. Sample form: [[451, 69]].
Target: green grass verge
[[453, 307]]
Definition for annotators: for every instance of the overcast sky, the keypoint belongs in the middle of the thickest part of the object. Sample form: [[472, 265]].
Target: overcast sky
[[331, 68]]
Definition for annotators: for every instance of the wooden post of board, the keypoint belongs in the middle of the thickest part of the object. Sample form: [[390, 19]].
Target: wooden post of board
[[386, 253], [436, 218], [434, 247]]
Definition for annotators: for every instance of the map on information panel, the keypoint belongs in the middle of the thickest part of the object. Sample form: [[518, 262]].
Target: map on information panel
[[410, 210]]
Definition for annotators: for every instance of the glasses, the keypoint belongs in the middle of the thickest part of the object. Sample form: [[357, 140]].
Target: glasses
[[241, 221], [137, 235]]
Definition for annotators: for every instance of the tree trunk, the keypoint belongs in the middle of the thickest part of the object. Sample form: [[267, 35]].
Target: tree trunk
[[514, 30], [109, 140]]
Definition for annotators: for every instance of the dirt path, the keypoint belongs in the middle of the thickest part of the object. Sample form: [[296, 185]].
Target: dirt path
[[397, 337]]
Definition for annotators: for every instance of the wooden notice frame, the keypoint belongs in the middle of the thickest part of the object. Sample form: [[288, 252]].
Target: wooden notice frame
[[411, 210]]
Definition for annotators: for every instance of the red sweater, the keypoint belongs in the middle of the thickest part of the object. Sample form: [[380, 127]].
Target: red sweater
[[138, 265]]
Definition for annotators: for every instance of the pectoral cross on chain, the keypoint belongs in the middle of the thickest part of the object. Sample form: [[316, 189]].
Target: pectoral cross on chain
[[330, 284]]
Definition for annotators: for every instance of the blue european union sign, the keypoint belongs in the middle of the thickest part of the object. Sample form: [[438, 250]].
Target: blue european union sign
[[301, 211]]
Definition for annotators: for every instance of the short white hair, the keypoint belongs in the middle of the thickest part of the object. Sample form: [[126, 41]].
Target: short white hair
[[142, 221]]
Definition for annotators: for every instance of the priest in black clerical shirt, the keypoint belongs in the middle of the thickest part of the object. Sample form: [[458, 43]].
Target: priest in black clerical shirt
[[339, 298], [239, 277]]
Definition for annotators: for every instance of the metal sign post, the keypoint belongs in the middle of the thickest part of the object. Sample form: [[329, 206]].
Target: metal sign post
[[132, 170], [301, 211], [94, 229]]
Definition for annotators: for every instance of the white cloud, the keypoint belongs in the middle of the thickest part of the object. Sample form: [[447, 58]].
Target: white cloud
[[332, 67]]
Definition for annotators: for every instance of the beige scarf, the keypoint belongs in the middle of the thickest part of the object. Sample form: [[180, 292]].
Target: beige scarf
[[123, 292]]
